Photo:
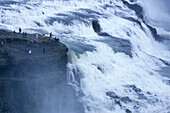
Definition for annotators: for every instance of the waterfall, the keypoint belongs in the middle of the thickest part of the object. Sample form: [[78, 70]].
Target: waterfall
[[115, 69]]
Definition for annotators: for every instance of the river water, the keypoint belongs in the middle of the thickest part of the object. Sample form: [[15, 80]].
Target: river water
[[113, 73]]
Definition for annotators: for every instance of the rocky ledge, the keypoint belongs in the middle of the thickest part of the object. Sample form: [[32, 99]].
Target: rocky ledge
[[33, 75]]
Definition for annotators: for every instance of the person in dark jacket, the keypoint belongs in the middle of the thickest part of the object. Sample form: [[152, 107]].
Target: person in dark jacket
[[43, 50], [51, 35], [20, 30]]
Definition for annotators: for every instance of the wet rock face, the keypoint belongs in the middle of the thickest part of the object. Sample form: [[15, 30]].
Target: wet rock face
[[154, 33], [34, 82], [96, 26], [128, 111], [117, 44], [136, 102], [137, 8], [132, 0]]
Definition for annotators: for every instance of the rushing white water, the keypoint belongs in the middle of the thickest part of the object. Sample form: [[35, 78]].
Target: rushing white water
[[158, 14], [94, 68]]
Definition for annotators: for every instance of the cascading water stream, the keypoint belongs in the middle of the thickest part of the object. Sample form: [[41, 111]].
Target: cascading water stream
[[158, 14]]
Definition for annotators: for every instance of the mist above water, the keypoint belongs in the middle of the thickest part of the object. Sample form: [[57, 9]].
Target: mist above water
[[158, 13]]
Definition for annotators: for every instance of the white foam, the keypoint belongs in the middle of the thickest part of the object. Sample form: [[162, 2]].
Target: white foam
[[101, 70]]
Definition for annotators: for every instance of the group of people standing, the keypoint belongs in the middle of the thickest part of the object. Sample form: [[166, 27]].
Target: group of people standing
[[28, 44], [24, 34]]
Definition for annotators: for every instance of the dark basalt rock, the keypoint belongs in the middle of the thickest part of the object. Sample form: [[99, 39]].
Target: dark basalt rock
[[112, 95], [133, 20], [137, 8], [117, 98], [36, 82], [8, 2], [38, 24], [68, 19], [128, 111], [167, 82], [138, 91], [139, 12], [96, 26], [134, 88], [154, 33], [100, 68], [120, 100], [117, 44], [137, 103], [126, 99]]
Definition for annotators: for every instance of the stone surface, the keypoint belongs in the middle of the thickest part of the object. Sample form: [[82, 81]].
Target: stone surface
[[117, 44], [36, 82], [137, 8]]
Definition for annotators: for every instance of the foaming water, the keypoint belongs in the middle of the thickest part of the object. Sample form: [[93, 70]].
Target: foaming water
[[107, 81], [158, 14]]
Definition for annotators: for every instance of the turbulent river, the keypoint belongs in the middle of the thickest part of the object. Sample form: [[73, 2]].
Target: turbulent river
[[117, 69]]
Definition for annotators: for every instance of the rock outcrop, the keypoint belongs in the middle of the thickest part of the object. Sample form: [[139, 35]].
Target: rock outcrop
[[137, 8], [96, 26], [117, 44], [33, 75]]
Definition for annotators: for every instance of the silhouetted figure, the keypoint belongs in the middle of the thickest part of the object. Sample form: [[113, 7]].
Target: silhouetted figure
[[56, 39], [51, 35], [20, 30], [23, 34], [35, 42], [2, 43], [43, 50], [28, 44], [14, 31]]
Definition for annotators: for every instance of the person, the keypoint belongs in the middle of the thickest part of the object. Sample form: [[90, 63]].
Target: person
[[14, 31], [56, 39], [43, 35], [37, 36], [29, 51], [43, 50], [23, 34], [2, 43], [51, 35], [35, 42], [20, 30], [28, 44]]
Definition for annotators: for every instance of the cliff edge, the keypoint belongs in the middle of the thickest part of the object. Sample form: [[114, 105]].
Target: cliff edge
[[33, 75]]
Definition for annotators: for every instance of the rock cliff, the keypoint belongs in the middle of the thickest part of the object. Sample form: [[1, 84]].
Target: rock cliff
[[33, 75]]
